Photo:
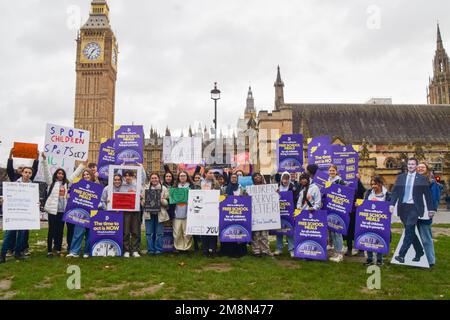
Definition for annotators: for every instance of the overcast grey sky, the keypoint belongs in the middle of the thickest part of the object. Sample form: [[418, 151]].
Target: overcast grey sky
[[171, 52]]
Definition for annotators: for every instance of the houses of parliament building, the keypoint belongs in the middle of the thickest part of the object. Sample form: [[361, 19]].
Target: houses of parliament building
[[388, 133]]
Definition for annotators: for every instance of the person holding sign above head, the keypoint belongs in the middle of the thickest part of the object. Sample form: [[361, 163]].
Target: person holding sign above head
[[424, 223], [80, 231], [182, 242], [286, 185], [155, 205], [233, 249], [18, 235], [408, 194], [260, 239], [336, 238], [14, 175], [55, 206], [209, 243], [378, 192]]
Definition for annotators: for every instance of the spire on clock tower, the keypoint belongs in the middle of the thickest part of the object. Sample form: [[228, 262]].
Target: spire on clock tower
[[279, 91]]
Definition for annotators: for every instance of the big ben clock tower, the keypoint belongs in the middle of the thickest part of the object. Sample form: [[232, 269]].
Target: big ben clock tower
[[96, 69]]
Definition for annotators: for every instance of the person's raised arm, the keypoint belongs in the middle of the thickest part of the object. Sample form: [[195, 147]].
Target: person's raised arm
[[78, 171], [10, 167], [47, 175], [35, 166]]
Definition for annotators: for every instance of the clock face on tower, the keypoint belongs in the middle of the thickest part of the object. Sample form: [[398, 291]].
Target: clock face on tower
[[92, 51]]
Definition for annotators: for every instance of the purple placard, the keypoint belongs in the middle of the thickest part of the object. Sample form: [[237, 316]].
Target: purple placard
[[320, 152], [311, 235], [321, 178], [106, 236], [84, 196], [346, 159], [287, 214], [167, 240], [128, 145], [106, 158], [373, 226], [290, 153], [235, 221], [339, 203]]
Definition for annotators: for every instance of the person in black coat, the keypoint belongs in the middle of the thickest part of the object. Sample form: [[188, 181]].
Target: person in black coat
[[408, 194], [359, 194]]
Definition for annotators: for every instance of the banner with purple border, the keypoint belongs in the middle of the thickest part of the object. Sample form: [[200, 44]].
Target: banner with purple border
[[373, 226], [128, 144], [339, 203], [235, 222], [106, 158], [310, 235], [320, 152], [84, 196], [287, 215], [106, 236], [321, 179], [290, 153], [346, 159]]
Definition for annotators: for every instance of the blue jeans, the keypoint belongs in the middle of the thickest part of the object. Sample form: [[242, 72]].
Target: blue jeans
[[337, 241], [77, 240], [370, 256], [424, 227], [154, 232], [280, 243], [8, 238]]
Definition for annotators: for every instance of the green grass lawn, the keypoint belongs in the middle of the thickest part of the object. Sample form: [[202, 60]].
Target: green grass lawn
[[194, 277]]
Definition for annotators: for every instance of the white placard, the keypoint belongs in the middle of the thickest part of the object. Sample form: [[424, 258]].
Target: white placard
[[126, 197], [182, 150], [423, 263], [265, 207], [203, 213], [54, 163], [66, 142], [21, 206]]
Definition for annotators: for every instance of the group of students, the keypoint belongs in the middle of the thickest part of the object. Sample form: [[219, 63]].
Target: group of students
[[307, 196]]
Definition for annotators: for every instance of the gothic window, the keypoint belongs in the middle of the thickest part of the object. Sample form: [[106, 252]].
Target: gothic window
[[390, 163], [441, 65]]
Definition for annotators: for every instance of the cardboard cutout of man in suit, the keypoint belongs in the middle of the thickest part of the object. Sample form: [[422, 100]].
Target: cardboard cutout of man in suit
[[408, 193]]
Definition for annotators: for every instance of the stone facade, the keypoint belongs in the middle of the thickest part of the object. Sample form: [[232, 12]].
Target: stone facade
[[96, 72]]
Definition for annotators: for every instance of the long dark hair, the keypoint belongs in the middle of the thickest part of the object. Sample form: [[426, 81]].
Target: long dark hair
[[64, 180], [164, 179], [305, 176]]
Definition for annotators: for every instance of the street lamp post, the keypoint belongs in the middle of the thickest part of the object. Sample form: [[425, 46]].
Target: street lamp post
[[215, 95]]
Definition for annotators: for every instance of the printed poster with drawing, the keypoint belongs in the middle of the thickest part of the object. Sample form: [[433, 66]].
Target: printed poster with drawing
[[203, 213]]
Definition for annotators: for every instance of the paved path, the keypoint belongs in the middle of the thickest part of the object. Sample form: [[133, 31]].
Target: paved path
[[442, 216]]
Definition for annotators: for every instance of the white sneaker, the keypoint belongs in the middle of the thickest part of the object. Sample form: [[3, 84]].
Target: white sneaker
[[136, 255], [355, 252], [330, 247], [292, 254], [277, 253], [126, 255], [72, 255], [337, 258], [85, 256]]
